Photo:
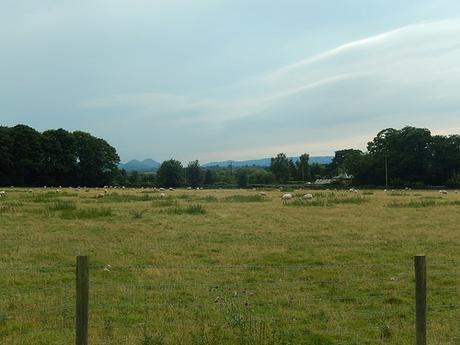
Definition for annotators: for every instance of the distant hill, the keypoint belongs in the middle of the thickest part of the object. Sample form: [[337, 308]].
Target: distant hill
[[265, 162], [148, 165], [140, 166]]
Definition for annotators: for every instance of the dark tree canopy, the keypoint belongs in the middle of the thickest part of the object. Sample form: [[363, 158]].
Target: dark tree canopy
[[170, 174], [54, 157], [194, 175]]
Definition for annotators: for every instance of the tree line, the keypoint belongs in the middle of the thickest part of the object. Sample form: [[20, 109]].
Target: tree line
[[54, 158], [408, 157]]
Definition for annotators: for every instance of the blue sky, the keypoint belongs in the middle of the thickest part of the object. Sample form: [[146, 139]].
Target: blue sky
[[232, 79]]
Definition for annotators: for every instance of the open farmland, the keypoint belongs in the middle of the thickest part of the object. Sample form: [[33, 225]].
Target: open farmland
[[228, 266]]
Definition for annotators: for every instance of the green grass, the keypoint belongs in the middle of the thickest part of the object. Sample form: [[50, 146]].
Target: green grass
[[195, 209], [63, 205], [86, 213], [206, 267], [244, 198], [413, 204]]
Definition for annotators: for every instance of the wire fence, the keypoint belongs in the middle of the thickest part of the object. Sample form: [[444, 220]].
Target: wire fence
[[230, 304]]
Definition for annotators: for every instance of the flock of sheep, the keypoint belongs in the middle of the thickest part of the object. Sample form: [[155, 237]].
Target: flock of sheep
[[286, 197]]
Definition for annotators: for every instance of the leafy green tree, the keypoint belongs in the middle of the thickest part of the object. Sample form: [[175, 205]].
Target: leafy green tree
[[261, 176], [347, 161], [445, 161], [96, 160], [6, 156], [59, 157], [408, 153], [27, 156], [210, 177], [194, 174], [242, 178], [281, 168], [170, 174], [303, 168]]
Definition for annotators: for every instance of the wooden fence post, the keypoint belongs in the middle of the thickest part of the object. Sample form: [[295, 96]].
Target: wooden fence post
[[81, 319], [420, 299]]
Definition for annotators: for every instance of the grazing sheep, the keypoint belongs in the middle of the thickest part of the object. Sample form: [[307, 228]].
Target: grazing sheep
[[263, 194], [286, 197], [162, 195], [171, 189], [100, 195], [162, 189], [443, 191], [308, 196], [2, 193]]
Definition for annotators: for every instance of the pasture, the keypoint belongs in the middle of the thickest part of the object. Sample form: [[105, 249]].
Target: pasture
[[228, 266]]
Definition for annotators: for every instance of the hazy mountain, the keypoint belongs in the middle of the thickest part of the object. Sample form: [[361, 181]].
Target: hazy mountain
[[141, 166], [151, 165], [265, 162]]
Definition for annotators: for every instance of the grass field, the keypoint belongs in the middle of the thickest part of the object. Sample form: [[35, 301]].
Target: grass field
[[228, 266]]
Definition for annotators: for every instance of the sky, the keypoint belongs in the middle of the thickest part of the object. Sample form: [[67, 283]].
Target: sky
[[230, 79]]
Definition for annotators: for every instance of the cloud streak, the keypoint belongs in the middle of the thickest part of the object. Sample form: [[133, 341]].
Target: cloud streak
[[407, 76]]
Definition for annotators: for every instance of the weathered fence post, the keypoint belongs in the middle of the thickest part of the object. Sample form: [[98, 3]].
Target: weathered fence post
[[420, 299], [81, 320]]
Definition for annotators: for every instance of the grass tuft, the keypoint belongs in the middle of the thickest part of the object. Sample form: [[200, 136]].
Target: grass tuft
[[195, 209], [245, 198]]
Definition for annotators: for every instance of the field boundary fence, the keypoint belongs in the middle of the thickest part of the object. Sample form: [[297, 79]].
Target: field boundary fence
[[83, 291]]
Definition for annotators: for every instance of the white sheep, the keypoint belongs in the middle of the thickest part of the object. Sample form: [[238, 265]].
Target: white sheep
[[162, 195], [286, 197], [171, 189], [162, 189], [443, 191], [308, 196], [263, 194], [100, 195]]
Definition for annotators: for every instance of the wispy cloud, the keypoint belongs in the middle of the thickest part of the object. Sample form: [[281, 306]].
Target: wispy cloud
[[405, 76]]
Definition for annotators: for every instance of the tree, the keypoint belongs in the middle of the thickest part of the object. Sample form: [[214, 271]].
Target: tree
[[408, 152], [170, 173], [28, 156], [280, 167], [6, 156], [346, 161], [303, 168], [194, 174], [242, 178], [209, 177], [96, 160], [59, 157]]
